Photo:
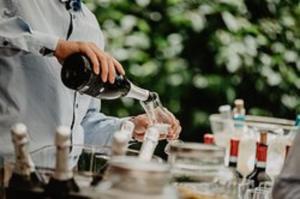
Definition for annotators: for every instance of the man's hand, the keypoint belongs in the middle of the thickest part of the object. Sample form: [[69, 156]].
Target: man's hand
[[142, 122], [103, 63]]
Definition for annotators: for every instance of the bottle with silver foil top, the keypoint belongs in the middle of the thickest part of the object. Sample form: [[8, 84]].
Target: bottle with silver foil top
[[121, 138], [62, 181], [24, 174], [77, 74], [151, 140]]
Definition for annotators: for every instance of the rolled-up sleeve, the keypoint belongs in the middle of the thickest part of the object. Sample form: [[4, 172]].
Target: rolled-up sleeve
[[99, 128], [17, 36]]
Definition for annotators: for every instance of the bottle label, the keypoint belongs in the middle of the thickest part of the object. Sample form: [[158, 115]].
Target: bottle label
[[260, 164], [233, 159], [239, 121], [208, 138]]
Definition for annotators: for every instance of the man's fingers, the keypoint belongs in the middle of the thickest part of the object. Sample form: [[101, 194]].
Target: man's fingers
[[102, 58], [139, 135], [93, 57], [119, 68], [111, 70]]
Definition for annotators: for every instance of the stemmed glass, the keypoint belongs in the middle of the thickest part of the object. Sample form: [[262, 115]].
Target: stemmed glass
[[157, 113]]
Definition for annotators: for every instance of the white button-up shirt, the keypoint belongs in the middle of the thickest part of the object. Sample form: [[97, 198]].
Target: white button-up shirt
[[31, 90]]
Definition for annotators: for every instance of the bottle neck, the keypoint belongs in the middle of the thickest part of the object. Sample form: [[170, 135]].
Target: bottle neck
[[63, 143], [261, 156], [62, 170], [261, 165], [232, 161], [138, 93], [24, 163]]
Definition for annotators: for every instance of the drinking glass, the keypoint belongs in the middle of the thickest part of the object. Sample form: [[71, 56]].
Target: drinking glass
[[262, 193], [243, 186], [246, 158], [249, 194]]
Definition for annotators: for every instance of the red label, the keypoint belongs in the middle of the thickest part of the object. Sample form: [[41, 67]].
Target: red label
[[209, 138], [234, 147], [261, 153]]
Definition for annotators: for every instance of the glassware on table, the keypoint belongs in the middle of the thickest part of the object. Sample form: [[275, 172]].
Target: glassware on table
[[249, 194], [276, 156], [221, 129], [258, 193], [151, 140], [246, 157], [132, 178], [262, 193], [198, 171], [243, 186], [157, 114], [88, 161]]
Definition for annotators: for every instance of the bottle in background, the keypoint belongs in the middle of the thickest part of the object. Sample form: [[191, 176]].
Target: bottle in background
[[151, 140], [77, 74], [24, 174], [62, 182], [259, 174], [24, 178], [208, 138], [239, 108], [233, 156], [121, 139], [247, 154], [225, 112], [228, 129], [239, 117], [276, 155]]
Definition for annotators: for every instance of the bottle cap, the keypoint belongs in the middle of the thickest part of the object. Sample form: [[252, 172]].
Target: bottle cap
[[234, 146], [19, 133], [263, 137], [62, 137], [225, 108], [208, 138], [239, 103]]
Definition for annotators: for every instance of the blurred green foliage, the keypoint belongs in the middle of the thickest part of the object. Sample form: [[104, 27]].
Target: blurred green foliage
[[199, 54]]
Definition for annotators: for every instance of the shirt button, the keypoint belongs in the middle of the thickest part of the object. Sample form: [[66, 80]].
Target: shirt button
[[42, 51], [5, 43], [8, 13], [77, 105]]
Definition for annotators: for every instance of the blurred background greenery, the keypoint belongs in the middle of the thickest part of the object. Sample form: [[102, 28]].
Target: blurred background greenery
[[199, 54]]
